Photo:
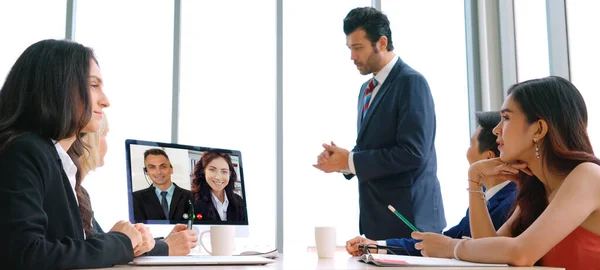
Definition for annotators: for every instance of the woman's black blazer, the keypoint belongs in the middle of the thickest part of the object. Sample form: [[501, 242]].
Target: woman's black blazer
[[39, 216]]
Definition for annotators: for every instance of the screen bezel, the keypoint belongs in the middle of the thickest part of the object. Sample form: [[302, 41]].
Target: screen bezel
[[129, 142]]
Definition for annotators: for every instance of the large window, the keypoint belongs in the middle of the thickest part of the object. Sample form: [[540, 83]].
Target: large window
[[584, 51], [23, 23], [532, 39], [227, 97], [135, 57], [438, 51], [320, 89]]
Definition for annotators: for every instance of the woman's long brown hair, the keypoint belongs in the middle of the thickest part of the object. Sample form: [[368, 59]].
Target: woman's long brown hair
[[565, 145]]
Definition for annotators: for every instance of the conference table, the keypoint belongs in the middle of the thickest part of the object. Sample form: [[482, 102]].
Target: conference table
[[309, 260]]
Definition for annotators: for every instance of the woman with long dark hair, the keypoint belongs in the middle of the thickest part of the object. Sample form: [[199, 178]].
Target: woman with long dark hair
[[52, 94], [544, 146], [212, 186]]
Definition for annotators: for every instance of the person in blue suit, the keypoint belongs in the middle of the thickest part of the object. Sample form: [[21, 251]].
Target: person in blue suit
[[394, 157], [501, 194]]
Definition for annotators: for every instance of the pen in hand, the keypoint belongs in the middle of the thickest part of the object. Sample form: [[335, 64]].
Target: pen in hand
[[403, 218], [190, 215]]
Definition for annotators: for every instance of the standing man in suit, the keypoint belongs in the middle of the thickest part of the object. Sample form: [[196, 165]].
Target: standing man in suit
[[394, 157], [163, 200]]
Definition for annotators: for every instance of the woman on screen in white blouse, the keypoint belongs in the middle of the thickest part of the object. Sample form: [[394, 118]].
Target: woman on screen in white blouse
[[212, 186]]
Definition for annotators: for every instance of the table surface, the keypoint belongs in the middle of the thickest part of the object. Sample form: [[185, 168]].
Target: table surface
[[310, 260]]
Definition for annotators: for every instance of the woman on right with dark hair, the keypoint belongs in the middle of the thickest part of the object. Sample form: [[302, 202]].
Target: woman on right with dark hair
[[544, 146], [212, 186]]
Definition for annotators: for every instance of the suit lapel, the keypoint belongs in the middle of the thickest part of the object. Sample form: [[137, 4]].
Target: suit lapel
[[359, 107], [71, 198], [175, 202], [501, 195], [378, 97], [155, 208]]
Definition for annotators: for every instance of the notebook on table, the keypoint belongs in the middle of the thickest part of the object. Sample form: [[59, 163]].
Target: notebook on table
[[400, 260], [200, 260]]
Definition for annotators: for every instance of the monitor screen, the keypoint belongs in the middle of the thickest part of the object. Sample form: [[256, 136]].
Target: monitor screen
[[174, 183]]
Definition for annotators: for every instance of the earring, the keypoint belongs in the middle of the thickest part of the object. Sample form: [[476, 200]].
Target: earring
[[537, 148]]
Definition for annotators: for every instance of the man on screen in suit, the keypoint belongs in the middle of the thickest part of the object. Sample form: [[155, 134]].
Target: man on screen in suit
[[394, 157], [163, 200]]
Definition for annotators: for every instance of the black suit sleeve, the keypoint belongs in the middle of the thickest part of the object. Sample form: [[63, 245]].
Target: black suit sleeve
[[350, 175], [183, 197], [415, 134], [25, 174], [160, 248]]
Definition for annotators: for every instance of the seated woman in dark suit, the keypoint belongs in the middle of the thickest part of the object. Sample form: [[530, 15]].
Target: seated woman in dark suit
[[52, 94], [212, 185]]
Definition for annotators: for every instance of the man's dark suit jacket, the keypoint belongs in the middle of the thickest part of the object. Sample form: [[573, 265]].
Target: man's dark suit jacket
[[147, 207], [395, 159], [40, 220], [498, 206]]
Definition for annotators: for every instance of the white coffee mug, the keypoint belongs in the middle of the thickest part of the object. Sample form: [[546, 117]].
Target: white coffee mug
[[325, 240], [221, 240]]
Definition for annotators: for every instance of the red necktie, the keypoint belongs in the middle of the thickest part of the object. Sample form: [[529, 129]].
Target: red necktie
[[368, 93]]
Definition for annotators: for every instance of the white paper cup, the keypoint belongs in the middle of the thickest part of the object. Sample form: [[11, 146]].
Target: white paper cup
[[325, 240]]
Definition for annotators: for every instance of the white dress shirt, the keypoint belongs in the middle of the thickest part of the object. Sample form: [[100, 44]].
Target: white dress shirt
[[169, 196], [380, 77], [68, 166], [489, 193], [221, 206]]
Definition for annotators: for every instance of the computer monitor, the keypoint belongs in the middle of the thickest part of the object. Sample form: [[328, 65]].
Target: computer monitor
[[198, 183]]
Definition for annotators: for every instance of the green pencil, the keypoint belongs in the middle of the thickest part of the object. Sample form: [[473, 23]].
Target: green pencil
[[403, 218]]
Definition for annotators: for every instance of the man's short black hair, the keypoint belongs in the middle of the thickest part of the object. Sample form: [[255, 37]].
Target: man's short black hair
[[487, 140], [373, 21]]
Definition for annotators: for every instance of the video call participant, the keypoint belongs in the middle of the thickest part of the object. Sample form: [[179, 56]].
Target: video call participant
[[212, 185], [163, 200]]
